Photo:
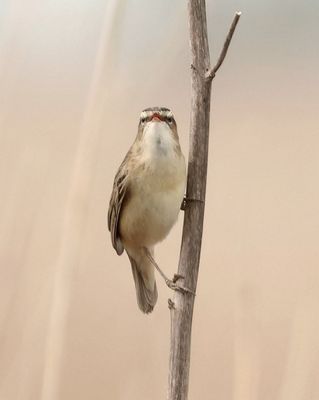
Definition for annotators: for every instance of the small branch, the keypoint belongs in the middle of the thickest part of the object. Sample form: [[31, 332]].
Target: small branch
[[212, 72]]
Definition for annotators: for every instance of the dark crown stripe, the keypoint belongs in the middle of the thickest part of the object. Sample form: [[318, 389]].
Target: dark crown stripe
[[157, 109]]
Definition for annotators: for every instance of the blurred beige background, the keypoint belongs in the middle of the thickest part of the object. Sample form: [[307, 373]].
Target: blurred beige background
[[74, 76]]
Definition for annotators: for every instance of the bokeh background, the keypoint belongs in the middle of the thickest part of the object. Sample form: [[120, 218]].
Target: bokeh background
[[74, 76]]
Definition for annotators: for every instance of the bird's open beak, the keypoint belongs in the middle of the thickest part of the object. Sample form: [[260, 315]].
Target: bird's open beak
[[156, 118]]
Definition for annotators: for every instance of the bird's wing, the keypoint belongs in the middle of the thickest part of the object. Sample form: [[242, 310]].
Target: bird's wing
[[120, 189]]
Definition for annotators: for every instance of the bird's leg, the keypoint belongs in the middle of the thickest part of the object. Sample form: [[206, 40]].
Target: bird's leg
[[151, 259], [171, 283]]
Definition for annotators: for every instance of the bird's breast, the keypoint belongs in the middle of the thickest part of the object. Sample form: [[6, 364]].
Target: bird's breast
[[156, 193]]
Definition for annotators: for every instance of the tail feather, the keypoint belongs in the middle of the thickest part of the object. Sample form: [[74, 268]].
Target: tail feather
[[146, 297]]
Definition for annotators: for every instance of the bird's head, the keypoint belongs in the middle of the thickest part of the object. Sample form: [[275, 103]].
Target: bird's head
[[156, 122], [157, 115]]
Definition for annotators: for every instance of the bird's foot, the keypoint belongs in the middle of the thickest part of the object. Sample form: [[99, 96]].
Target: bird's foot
[[171, 283], [188, 200], [179, 288]]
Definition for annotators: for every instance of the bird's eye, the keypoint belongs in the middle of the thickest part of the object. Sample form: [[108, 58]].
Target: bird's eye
[[143, 120], [169, 120]]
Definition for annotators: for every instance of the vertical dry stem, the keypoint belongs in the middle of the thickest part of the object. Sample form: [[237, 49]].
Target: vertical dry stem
[[183, 304]]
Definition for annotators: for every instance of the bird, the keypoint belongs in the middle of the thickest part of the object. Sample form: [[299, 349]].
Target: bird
[[147, 194]]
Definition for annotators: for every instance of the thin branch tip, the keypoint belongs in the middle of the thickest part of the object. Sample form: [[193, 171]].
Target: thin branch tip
[[212, 72]]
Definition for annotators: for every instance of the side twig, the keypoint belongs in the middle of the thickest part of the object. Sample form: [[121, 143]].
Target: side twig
[[212, 72]]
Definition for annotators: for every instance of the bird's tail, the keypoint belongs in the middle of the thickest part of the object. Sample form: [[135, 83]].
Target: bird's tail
[[145, 284]]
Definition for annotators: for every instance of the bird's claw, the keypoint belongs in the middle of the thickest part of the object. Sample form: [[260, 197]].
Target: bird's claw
[[176, 277], [187, 200], [171, 304], [184, 203]]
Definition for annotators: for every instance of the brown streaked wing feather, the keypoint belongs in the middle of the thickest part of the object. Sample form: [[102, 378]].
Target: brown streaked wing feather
[[118, 194]]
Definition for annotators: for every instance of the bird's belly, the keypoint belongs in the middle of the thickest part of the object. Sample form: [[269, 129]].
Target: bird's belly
[[150, 214]]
